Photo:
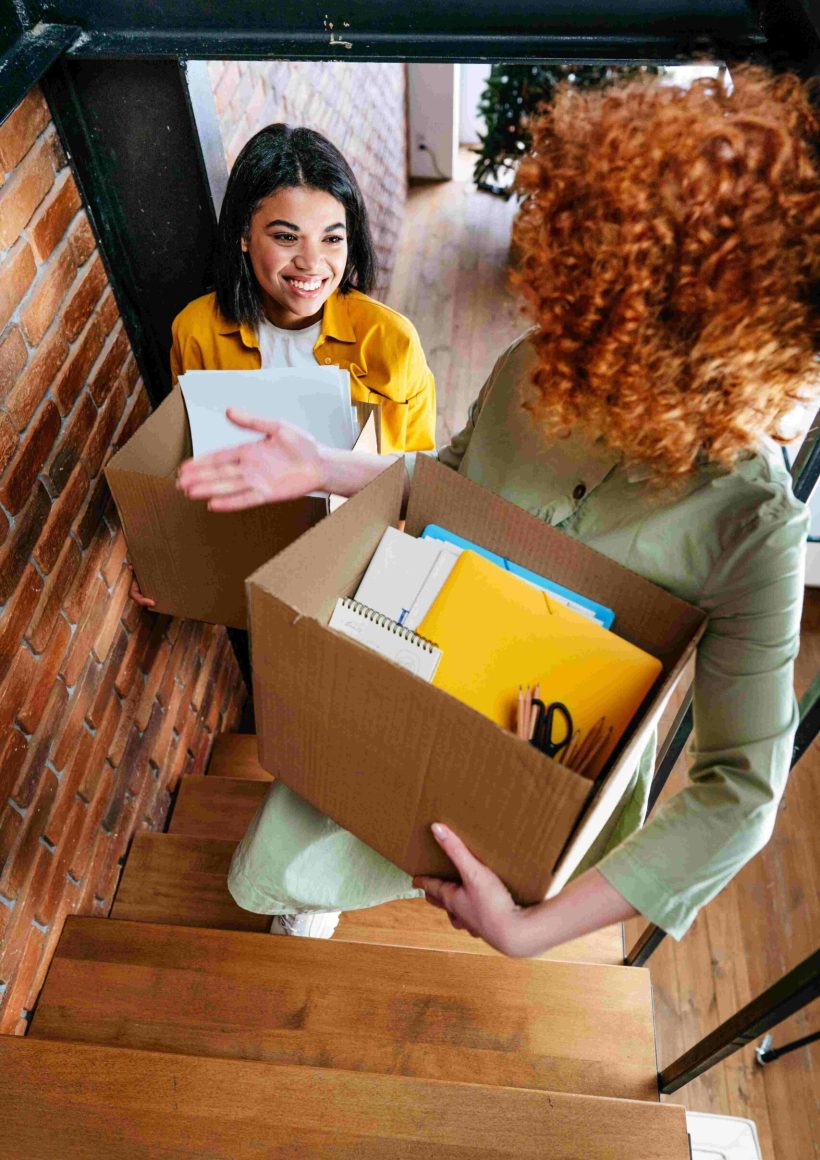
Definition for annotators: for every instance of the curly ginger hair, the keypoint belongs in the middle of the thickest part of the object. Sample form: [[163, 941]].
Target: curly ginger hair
[[670, 257]]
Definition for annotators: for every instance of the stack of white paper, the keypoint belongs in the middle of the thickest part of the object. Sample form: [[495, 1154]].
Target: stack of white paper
[[405, 576], [315, 399]]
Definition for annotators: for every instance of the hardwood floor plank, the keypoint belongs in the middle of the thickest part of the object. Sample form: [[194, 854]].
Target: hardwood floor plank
[[77, 1101], [472, 1018]]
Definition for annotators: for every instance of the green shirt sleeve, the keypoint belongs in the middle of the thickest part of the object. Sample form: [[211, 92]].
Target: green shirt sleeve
[[745, 717]]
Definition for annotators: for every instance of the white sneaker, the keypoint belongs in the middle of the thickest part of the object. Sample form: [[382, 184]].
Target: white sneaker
[[321, 925]]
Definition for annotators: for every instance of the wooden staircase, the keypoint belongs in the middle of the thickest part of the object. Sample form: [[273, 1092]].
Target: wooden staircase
[[179, 1028]]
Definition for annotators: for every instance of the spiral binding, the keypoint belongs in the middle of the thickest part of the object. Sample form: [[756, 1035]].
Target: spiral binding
[[383, 621]]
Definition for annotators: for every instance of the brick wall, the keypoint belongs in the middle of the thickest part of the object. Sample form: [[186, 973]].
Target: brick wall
[[102, 705], [360, 107]]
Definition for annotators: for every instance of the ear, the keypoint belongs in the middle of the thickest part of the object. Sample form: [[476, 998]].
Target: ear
[[244, 245]]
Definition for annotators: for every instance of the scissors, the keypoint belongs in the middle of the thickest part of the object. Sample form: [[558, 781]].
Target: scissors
[[543, 736]]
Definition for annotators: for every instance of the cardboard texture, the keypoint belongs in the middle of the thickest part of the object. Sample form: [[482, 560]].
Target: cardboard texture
[[384, 753], [193, 562]]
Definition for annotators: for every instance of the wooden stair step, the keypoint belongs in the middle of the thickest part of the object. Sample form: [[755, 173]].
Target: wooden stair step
[[216, 807], [235, 755], [519, 1023], [408, 923], [81, 1100]]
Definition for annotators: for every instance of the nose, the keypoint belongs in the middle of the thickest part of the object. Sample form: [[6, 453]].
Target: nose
[[308, 257]]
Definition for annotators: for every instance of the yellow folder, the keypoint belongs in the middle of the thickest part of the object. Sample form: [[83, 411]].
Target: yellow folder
[[497, 633]]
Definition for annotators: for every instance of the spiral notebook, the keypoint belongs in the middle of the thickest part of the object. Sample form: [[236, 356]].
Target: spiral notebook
[[386, 636]]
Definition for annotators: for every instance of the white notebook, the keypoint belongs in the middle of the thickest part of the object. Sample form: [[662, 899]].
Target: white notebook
[[386, 636], [402, 568]]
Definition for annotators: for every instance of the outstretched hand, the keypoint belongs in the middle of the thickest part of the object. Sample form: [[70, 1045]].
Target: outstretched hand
[[286, 464], [480, 904]]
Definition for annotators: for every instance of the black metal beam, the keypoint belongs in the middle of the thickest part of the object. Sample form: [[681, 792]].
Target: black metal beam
[[129, 132], [795, 990], [27, 58], [656, 30]]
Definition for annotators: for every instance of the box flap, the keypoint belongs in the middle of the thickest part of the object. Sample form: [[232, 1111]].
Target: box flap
[[160, 444], [311, 573]]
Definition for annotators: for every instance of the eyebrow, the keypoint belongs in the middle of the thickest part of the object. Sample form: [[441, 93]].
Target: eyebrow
[[296, 229]]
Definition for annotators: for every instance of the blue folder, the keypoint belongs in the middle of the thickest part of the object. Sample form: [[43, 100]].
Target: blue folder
[[602, 615]]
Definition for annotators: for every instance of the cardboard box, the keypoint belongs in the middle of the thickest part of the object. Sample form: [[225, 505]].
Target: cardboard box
[[193, 562], [385, 754]]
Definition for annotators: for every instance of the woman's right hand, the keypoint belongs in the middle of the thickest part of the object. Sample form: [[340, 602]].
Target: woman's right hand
[[287, 464], [138, 598]]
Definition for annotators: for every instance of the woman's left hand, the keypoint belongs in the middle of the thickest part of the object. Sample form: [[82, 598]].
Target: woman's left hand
[[480, 904]]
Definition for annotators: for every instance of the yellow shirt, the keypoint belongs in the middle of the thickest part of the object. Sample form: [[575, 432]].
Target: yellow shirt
[[379, 347]]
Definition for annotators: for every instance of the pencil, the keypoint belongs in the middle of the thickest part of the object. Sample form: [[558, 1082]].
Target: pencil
[[533, 717], [596, 752], [519, 720]]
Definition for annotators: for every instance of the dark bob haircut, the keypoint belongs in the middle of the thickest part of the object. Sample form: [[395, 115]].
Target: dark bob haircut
[[279, 157]]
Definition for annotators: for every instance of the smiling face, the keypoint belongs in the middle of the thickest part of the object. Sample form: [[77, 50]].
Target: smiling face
[[297, 245]]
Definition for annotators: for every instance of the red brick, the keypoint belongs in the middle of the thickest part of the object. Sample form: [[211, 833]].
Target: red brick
[[8, 440], [93, 773], [111, 619], [15, 688], [84, 295], [13, 357], [105, 692], [46, 675], [24, 190], [72, 442], [16, 275], [20, 130], [85, 633], [130, 667], [152, 682], [51, 221], [125, 727], [24, 398], [17, 614], [39, 440], [82, 240], [27, 951], [75, 372], [108, 312], [56, 886], [86, 579], [116, 560], [82, 696], [131, 374], [106, 373], [88, 856], [16, 551], [11, 823], [56, 148], [40, 308], [15, 874], [54, 593], [134, 418], [100, 444], [40, 744], [63, 513], [99, 505]]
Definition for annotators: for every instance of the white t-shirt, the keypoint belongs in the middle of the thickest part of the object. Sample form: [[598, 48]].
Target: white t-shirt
[[287, 348]]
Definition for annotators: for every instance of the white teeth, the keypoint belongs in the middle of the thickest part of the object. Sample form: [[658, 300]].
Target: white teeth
[[305, 285]]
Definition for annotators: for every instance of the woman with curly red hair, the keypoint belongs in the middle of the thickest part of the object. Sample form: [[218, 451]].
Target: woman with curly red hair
[[670, 257]]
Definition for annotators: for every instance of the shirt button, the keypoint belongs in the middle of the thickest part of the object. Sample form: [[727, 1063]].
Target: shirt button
[[327, 361], [579, 492]]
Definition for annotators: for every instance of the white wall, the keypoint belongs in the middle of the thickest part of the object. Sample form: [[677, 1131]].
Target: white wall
[[473, 80], [432, 119]]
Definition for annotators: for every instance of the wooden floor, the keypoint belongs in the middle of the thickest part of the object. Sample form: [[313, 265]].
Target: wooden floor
[[451, 281]]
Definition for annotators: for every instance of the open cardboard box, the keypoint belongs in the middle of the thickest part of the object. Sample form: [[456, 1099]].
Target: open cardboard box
[[384, 753], [193, 562]]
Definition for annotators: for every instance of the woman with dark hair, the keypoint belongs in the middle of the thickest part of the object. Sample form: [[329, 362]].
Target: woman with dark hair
[[294, 268], [670, 257]]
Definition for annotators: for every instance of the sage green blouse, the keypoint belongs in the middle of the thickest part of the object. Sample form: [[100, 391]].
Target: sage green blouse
[[732, 543]]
